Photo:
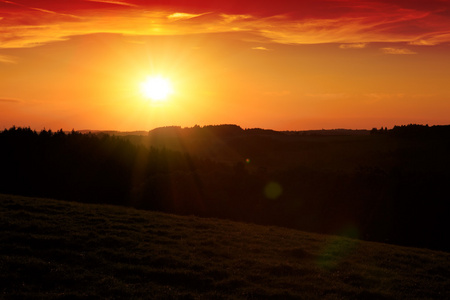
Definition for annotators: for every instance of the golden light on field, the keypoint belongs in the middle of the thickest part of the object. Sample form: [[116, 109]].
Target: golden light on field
[[156, 88]]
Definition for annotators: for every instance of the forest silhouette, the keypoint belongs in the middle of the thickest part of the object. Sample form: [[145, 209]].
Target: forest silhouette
[[380, 185]]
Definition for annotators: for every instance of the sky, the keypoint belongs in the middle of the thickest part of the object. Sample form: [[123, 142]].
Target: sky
[[282, 65]]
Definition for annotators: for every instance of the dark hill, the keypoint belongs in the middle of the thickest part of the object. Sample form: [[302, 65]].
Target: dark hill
[[64, 250]]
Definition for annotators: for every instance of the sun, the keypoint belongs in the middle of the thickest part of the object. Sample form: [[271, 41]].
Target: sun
[[156, 88]]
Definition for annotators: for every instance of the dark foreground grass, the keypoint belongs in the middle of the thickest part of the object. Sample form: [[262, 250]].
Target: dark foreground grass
[[60, 250]]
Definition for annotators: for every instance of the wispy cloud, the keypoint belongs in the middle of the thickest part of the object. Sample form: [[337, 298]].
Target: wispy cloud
[[380, 96], [6, 59], [351, 24], [432, 39], [9, 100], [260, 48], [113, 2], [353, 46], [182, 16], [232, 18], [398, 51], [422, 43]]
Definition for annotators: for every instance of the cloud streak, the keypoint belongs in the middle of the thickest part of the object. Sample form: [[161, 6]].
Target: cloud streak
[[353, 46], [6, 59], [113, 2], [182, 16], [397, 51], [352, 24], [260, 48], [9, 100]]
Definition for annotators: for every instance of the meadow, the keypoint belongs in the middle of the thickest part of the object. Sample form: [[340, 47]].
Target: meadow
[[53, 249]]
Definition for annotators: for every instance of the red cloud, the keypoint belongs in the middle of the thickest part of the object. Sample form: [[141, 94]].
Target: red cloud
[[26, 23]]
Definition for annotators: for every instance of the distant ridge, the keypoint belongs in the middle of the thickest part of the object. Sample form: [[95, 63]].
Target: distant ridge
[[335, 132], [230, 129], [113, 132]]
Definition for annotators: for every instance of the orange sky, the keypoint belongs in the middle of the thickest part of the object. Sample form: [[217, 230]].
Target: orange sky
[[284, 65]]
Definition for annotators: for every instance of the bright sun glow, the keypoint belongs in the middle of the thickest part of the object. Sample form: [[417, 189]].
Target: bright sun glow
[[156, 88]]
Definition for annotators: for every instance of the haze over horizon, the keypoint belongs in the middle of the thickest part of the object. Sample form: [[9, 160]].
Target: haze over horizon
[[284, 65]]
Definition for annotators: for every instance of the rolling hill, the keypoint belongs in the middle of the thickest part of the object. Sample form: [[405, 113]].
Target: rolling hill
[[54, 249]]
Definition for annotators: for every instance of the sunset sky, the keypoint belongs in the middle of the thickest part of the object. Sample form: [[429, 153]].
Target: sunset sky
[[283, 65]]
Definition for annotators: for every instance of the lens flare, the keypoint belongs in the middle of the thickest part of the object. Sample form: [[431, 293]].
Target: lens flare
[[273, 190]]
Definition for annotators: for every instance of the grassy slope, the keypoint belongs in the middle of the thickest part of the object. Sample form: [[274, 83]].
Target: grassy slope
[[54, 249]]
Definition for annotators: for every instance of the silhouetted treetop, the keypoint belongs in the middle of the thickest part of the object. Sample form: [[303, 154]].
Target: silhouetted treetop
[[391, 185]]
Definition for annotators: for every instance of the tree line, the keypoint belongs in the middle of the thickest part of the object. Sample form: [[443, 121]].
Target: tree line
[[383, 187]]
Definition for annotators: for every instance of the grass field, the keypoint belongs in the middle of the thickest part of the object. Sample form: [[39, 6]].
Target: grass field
[[63, 250]]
